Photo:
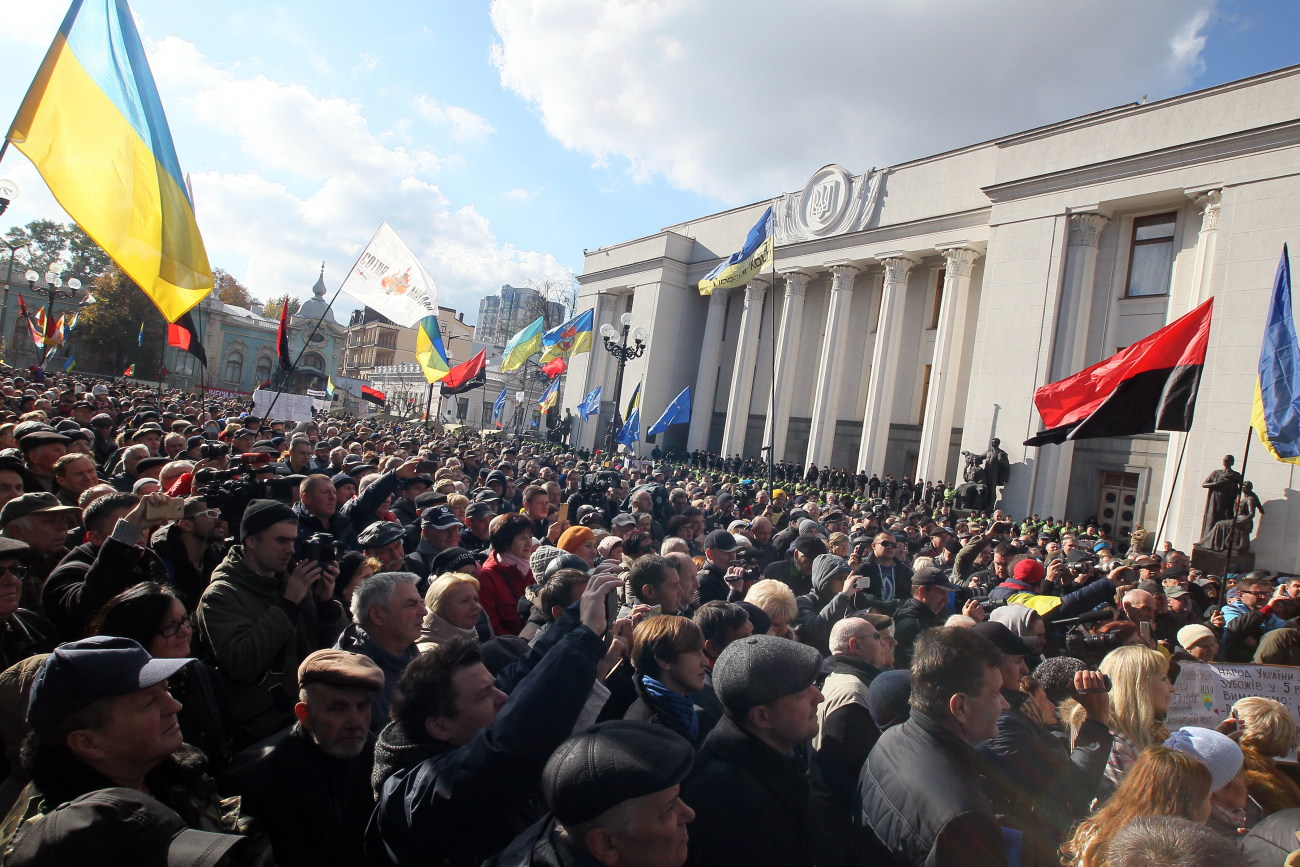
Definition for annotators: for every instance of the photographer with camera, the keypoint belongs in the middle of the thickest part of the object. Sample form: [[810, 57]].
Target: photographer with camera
[[1028, 577], [317, 512], [720, 549], [261, 614]]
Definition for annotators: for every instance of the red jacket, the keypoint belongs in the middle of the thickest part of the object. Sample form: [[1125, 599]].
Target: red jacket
[[501, 586]]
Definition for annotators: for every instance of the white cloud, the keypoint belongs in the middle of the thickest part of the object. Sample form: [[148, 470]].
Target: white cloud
[[745, 99], [464, 124], [365, 63], [519, 194]]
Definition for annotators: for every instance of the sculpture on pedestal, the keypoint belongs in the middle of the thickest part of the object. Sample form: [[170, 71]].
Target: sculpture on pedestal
[[1224, 485], [982, 476], [1235, 530]]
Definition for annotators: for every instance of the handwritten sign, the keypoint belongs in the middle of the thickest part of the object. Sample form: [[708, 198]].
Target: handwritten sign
[[1206, 692], [288, 407]]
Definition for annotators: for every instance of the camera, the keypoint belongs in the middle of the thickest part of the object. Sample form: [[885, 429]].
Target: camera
[[748, 559], [231, 490], [323, 548], [1090, 648]]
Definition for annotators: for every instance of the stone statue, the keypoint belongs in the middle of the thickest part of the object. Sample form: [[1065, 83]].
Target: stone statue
[[1224, 486], [997, 467], [972, 470], [1239, 526]]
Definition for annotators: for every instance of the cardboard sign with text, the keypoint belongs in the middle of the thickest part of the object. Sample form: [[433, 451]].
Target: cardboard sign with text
[[1205, 692]]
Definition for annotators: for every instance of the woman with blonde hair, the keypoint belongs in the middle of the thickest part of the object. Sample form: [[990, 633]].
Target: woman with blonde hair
[[778, 603], [1139, 699], [1267, 733], [453, 610], [1162, 782]]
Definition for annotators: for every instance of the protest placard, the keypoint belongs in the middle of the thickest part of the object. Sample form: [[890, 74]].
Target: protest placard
[[1205, 692]]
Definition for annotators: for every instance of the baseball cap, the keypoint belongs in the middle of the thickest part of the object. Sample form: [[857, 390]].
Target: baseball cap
[[721, 540], [929, 576], [439, 518]]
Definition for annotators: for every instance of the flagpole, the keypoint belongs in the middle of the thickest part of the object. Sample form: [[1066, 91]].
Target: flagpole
[[771, 329], [1232, 537], [305, 344], [1164, 514]]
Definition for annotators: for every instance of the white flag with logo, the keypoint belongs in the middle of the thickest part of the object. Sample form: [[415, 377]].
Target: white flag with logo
[[388, 278]]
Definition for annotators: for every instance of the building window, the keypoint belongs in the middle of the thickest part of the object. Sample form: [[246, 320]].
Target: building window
[[1151, 256], [938, 298], [235, 367], [314, 361], [263, 369]]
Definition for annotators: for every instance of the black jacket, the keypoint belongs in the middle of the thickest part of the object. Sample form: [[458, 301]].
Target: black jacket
[[910, 620], [541, 846], [461, 805], [751, 804], [924, 796], [188, 581], [313, 806], [646, 709], [89, 576], [1042, 789], [902, 580]]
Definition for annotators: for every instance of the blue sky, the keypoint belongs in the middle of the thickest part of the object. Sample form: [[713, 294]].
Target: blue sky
[[501, 139]]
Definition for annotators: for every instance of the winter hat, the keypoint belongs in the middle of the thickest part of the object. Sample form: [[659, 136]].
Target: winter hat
[[1057, 676], [887, 700], [1217, 752], [1192, 633], [573, 538], [607, 545], [542, 557], [762, 668], [1030, 571], [826, 568]]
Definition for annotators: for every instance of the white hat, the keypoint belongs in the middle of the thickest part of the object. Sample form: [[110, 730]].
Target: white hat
[[1217, 752], [1192, 633]]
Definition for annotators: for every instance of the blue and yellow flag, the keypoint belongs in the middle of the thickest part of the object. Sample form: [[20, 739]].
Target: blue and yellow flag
[[429, 351], [1276, 415], [548, 398], [749, 261], [93, 125], [634, 401], [498, 407], [569, 338], [329, 387], [522, 345]]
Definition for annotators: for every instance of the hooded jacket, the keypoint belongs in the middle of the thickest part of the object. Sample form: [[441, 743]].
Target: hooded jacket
[[258, 638], [821, 609]]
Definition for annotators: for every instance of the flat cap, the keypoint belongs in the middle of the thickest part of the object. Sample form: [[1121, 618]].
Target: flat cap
[[379, 534], [13, 548], [38, 438], [611, 763], [762, 668], [30, 504], [341, 668]]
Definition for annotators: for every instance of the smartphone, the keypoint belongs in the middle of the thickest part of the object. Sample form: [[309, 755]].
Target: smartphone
[[562, 512], [1145, 629], [172, 510], [427, 467]]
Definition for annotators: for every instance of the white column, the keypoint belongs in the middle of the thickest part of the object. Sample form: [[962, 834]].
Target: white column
[[884, 364], [706, 380], [949, 344], [787, 357], [1206, 243], [830, 370], [742, 376], [1073, 316]]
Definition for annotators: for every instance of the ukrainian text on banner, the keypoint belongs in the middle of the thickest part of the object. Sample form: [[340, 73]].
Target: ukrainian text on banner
[[388, 278], [1206, 692], [289, 407], [228, 394]]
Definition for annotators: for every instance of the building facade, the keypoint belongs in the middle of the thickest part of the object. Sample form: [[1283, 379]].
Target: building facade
[[502, 315], [912, 311]]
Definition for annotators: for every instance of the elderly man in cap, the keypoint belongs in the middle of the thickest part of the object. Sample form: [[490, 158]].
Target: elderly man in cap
[[387, 613], [101, 716], [259, 618], [476, 536], [23, 632], [41, 450], [922, 789], [311, 790], [439, 531], [749, 789], [614, 794], [383, 541], [40, 520], [404, 507]]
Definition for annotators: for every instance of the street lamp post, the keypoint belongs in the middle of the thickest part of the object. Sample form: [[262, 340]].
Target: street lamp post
[[519, 412], [616, 345], [53, 292]]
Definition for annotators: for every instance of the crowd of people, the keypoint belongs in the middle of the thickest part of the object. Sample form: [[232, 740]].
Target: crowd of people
[[236, 640]]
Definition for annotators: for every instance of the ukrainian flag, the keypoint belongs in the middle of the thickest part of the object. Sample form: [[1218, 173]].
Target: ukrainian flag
[[429, 351], [570, 338], [549, 396], [742, 266], [93, 126], [522, 345], [1276, 415]]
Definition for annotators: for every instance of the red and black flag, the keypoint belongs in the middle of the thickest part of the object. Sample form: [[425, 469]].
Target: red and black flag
[[282, 337], [182, 335], [466, 377], [1143, 388], [373, 395]]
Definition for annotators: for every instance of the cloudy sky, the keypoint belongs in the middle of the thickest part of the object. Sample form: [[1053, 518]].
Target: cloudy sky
[[502, 138]]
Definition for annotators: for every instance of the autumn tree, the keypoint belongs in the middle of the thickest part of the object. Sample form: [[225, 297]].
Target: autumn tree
[[271, 309], [231, 291], [106, 333]]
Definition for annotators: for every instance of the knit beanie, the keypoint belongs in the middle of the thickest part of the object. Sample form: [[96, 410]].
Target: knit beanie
[[1217, 752], [542, 557], [573, 538], [888, 698], [261, 515], [1192, 633]]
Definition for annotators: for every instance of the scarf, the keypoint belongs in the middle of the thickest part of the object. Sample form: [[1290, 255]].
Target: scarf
[[518, 562], [674, 705]]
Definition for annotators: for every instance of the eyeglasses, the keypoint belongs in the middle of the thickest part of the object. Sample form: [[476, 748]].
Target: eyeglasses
[[887, 544], [171, 630], [206, 513], [18, 571]]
